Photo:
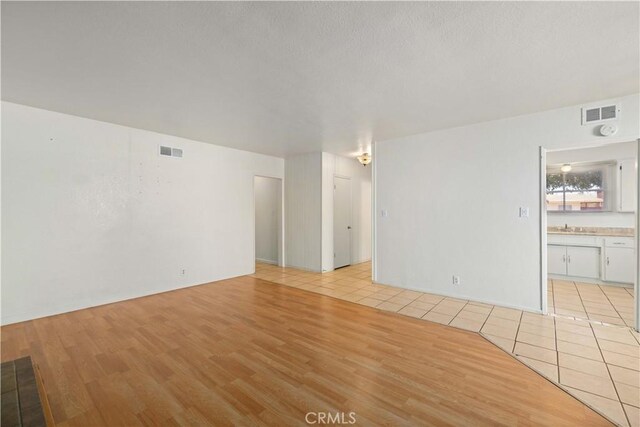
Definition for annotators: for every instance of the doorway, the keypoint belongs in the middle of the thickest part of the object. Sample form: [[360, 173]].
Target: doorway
[[268, 220], [341, 221], [588, 224]]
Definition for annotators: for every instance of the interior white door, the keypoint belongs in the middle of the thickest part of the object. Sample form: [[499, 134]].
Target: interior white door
[[341, 222]]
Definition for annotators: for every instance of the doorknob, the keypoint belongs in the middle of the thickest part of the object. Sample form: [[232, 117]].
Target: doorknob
[[348, 227]]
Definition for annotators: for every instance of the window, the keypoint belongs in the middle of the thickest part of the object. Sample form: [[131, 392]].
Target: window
[[583, 189]]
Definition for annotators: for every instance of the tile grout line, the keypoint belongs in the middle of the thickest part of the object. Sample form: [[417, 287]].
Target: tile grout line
[[585, 308], [402, 306], [487, 318], [459, 311], [515, 339], [581, 301], [431, 309], [553, 297], [610, 377], [612, 305]]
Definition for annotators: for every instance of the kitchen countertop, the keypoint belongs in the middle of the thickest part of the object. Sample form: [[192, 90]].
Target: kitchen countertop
[[592, 231]]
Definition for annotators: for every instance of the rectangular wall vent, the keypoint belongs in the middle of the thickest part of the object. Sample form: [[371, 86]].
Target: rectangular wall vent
[[600, 114], [170, 152]]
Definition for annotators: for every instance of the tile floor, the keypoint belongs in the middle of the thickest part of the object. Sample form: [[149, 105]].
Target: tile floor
[[608, 304], [583, 345]]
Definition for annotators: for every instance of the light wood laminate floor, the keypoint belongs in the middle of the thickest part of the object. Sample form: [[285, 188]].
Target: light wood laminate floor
[[597, 362], [249, 352]]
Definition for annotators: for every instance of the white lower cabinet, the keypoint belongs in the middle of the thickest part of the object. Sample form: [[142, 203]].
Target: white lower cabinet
[[583, 261], [618, 265], [578, 261], [610, 259], [556, 259]]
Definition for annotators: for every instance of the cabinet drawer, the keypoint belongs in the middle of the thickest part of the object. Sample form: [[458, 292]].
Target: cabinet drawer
[[573, 240], [619, 242]]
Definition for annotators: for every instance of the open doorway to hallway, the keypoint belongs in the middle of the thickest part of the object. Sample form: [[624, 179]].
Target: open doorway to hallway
[[346, 222], [268, 220]]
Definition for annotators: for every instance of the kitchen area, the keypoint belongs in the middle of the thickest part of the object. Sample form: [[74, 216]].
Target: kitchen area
[[591, 199]]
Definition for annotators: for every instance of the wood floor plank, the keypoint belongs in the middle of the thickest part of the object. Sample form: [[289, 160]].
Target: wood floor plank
[[245, 351]]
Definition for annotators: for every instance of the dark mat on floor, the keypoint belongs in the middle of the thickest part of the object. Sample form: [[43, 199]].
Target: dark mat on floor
[[21, 405]]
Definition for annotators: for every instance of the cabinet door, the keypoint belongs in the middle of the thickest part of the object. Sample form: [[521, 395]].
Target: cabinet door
[[556, 259], [627, 185], [618, 265], [583, 261]]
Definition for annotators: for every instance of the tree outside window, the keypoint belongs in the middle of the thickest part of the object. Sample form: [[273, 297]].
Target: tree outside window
[[583, 189]]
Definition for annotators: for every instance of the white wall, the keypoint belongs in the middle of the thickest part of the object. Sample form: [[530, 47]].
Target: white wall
[[303, 211], [92, 214], [268, 219], [614, 152], [452, 198], [309, 209], [360, 178]]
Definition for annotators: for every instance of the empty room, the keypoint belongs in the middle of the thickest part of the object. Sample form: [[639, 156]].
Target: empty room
[[319, 213]]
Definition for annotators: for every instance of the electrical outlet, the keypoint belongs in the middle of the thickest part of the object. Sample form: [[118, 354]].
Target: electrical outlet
[[183, 271], [456, 280]]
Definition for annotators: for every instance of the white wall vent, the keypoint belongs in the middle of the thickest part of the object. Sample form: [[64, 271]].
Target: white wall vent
[[600, 114], [170, 152]]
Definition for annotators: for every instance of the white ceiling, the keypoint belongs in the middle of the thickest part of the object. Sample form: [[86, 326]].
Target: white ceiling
[[283, 78]]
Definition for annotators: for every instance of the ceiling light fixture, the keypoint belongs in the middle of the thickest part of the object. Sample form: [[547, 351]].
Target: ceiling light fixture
[[565, 168], [364, 159]]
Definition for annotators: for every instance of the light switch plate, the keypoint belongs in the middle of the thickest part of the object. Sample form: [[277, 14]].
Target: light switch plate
[[524, 212], [384, 213]]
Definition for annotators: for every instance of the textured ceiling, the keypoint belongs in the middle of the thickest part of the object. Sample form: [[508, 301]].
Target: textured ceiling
[[283, 78]]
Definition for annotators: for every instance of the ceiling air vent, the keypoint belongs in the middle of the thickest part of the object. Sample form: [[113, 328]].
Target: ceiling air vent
[[170, 152], [600, 114]]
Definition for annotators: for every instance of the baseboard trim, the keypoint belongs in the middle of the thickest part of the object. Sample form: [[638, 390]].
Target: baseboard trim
[[103, 300], [266, 261]]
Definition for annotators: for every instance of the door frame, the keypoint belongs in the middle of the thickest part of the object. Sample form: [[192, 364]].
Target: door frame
[[374, 214], [281, 240], [543, 230], [637, 241], [543, 226], [335, 175]]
